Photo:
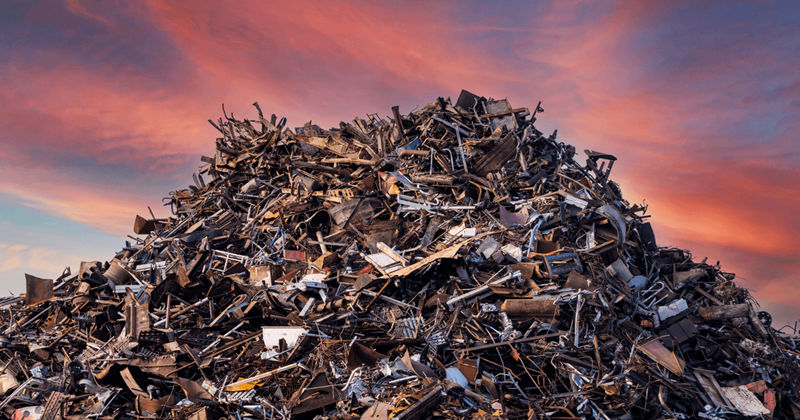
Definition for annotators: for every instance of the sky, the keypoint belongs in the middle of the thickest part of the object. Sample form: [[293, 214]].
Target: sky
[[104, 107]]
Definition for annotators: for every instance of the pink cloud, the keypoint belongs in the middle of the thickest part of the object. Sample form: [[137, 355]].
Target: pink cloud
[[92, 111]]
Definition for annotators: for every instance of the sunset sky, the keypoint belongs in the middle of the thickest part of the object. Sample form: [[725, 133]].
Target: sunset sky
[[104, 107]]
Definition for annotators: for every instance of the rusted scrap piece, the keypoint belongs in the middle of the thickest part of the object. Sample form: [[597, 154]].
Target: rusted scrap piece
[[52, 408], [664, 357], [379, 411], [37, 290], [711, 386], [497, 157], [422, 407], [319, 393], [453, 262], [142, 226], [149, 405], [720, 312], [543, 308]]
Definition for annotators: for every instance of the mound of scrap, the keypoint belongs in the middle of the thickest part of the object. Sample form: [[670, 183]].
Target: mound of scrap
[[452, 263]]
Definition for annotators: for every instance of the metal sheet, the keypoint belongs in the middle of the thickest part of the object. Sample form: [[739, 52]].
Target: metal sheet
[[273, 335], [663, 356], [744, 401], [37, 290]]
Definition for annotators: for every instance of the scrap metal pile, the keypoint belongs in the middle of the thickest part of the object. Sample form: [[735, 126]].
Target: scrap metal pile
[[454, 262]]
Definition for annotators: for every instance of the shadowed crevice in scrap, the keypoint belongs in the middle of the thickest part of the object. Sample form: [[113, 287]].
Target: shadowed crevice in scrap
[[454, 262]]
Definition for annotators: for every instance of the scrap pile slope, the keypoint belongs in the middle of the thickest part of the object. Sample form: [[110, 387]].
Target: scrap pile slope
[[454, 262]]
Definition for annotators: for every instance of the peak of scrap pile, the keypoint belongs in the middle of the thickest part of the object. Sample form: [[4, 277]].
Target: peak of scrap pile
[[451, 263]]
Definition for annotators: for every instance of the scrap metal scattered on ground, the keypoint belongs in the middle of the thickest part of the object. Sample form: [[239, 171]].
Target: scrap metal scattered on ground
[[454, 262]]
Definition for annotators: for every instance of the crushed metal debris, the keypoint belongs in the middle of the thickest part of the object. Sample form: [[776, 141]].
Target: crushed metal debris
[[454, 262]]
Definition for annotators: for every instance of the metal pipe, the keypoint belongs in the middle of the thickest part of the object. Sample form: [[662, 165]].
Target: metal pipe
[[461, 148]]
